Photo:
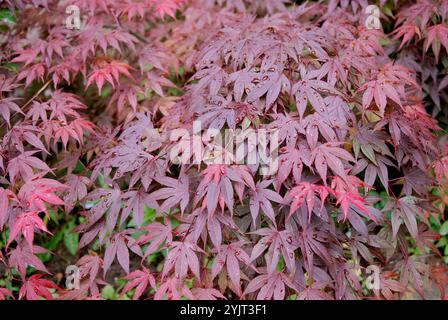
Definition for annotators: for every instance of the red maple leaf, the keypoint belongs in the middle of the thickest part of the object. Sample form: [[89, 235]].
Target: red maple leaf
[[35, 287], [25, 224]]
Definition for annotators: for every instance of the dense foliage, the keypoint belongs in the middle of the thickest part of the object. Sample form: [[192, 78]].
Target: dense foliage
[[90, 119]]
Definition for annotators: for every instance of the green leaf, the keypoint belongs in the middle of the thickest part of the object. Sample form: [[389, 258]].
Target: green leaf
[[12, 67], [369, 153], [54, 241], [443, 242], [356, 148], [280, 265], [54, 216], [71, 241], [108, 292], [148, 214], [181, 70], [388, 10], [444, 228], [7, 16]]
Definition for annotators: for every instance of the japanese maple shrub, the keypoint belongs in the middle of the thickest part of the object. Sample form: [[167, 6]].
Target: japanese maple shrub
[[91, 121]]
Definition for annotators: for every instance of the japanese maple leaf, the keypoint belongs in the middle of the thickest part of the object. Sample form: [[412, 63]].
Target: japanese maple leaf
[[35, 193], [109, 202], [166, 7], [216, 186], [77, 190], [332, 70], [155, 83], [370, 142], [25, 224], [360, 242], [372, 171], [5, 293], [389, 286], [242, 82], [347, 194], [312, 40], [108, 71], [420, 13], [291, 159], [96, 37], [175, 192], [35, 287], [270, 286], [212, 78], [415, 181], [139, 280], [412, 127], [307, 193], [75, 130], [347, 282], [92, 6], [315, 292], [63, 106], [357, 217], [135, 202], [207, 294], [220, 111], [182, 257], [288, 127], [58, 131], [142, 133], [407, 31], [22, 133], [31, 73], [311, 241], [313, 124], [131, 9], [27, 56], [439, 276], [337, 113], [133, 158], [329, 155], [89, 268], [277, 242], [23, 166], [199, 221], [404, 210], [89, 232], [390, 84], [118, 246], [6, 106], [437, 34], [231, 255], [158, 56], [270, 83], [124, 95], [308, 90], [412, 274], [61, 131], [173, 289], [53, 46], [261, 198], [157, 234], [426, 239], [7, 84], [23, 256], [5, 196], [441, 169], [128, 158], [82, 293]]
